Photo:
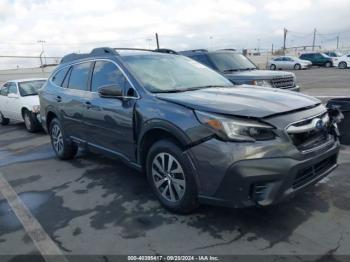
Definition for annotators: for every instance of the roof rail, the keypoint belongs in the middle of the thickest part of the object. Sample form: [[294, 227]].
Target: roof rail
[[227, 49], [194, 50], [165, 50], [100, 51], [135, 49]]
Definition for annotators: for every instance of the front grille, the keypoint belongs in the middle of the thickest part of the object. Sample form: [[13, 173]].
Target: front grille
[[283, 82], [310, 173], [305, 135]]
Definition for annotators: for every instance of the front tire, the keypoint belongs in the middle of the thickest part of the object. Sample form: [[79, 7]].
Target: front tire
[[30, 121], [297, 67], [3, 120], [328, 64], [342, 65], [272, 67], [170, 177], [64, 148]]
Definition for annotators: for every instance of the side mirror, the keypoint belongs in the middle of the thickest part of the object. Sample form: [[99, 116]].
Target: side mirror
[[112, 91], [12, 95]]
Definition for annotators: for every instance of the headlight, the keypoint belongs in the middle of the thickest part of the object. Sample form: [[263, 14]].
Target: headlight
[[265, 83], [36, 109], [236, 129]]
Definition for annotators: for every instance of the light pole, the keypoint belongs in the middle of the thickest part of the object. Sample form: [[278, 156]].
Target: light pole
[[42, 42], [258, 45]]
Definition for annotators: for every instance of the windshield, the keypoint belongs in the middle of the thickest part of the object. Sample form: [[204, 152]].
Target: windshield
[[173, 73], [30, 88], [230, 61]]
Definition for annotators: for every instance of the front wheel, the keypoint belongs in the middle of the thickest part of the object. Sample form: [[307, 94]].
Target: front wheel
[[328, 64], [62, 145], [3, 120], [32, 124], [297, 67], [342, 65], [272, 67], [170, 176]]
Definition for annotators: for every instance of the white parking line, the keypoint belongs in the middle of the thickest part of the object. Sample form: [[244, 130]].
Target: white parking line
[[47, 248]]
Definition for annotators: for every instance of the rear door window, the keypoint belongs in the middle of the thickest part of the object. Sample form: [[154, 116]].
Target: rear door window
[[79, 76]]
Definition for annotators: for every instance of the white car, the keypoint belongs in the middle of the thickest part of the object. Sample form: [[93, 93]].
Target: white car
[[288, 62], [342, 62], [19, 101]]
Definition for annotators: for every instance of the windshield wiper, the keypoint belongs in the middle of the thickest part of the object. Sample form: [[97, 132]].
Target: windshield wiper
[[189, 89], [231, 70]]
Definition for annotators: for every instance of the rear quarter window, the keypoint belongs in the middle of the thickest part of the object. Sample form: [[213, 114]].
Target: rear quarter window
[[59, 77]]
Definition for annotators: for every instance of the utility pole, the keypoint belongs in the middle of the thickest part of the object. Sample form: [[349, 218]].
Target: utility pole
[[337, 42], [285, 31], [157, 40], [314, 40], [272, 49], [42, 51]]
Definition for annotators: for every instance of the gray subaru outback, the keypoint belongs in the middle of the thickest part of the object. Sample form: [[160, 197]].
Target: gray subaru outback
[[198, 138]]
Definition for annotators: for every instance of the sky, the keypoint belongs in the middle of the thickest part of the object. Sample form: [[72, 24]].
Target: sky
[[80, 25]]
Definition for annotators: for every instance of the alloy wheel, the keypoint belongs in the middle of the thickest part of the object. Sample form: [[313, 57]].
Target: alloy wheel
[[168, 177], [57, 138]]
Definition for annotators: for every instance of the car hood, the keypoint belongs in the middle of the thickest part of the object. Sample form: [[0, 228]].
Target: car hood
[[247, 101], [258, 74]]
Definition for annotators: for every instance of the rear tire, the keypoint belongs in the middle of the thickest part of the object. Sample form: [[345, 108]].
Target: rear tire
[[3, 120], [32, 124], [328, 64], [273, 67], [342, 65], [64, 148], [297, 67], [170, 177]]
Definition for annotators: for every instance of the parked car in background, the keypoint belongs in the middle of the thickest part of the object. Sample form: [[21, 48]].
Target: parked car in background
[[19, 101], [198, 138], [343, 62], [288, 62], [333, 53], [318, 59], [240, 70]]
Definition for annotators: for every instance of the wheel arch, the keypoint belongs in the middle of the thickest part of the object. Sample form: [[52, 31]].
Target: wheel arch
[[156, 130]]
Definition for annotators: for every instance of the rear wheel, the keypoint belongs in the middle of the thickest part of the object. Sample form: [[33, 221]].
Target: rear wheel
[[32, 124], [342, 65], [3, 120], [297, 66], [62, 145], [170, 176], [328, 64], [272, 67]]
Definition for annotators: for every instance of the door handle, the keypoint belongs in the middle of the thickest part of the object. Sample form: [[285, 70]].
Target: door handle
[[58, 99], [88, 104]]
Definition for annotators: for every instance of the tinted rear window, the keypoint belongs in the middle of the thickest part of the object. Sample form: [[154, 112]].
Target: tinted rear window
[[79, 76], [59, 76]]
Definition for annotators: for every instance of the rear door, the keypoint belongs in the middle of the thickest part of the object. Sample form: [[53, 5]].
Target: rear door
[[71, 100], [109, 121]]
